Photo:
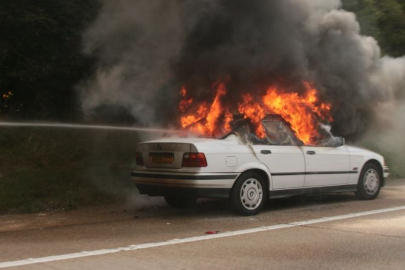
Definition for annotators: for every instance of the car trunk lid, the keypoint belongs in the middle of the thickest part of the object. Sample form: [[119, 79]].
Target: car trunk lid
[[164, 154]]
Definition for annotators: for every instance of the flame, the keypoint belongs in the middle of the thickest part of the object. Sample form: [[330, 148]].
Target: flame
[[185, 102], [228, 117], [194, 118], [206, 119], [302, 112], [299, 111], [254, 111]]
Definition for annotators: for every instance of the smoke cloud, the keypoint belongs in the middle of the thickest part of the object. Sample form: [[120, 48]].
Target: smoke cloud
[[148, 49], [135, 42]]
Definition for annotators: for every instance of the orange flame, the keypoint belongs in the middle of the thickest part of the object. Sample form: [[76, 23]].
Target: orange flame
[[254, 111], [301, 111], [185, 102], [207, 118]]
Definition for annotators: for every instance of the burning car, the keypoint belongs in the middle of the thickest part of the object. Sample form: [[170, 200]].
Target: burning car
[[249, 169]]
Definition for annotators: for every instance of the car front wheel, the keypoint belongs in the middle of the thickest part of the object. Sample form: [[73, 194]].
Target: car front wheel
[[249, 194], [369, 184]]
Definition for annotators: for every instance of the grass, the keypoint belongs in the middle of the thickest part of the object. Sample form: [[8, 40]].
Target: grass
[[48, 169]]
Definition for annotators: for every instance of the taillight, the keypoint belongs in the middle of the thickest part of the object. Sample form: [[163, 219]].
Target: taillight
[[194, 160], [139, 159]]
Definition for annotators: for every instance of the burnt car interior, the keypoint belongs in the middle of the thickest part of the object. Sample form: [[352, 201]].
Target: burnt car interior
[[278, 132]]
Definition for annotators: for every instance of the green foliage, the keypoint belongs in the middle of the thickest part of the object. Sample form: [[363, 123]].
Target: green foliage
[[42, 170], [40, 56], [392, 25], [41, 59], [383, 20]]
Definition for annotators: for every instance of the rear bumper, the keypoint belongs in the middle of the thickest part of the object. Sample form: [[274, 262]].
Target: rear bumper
[[192, 184], [152, 190]]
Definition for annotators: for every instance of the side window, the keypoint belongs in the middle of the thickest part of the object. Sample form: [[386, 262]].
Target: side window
[[278, 133]]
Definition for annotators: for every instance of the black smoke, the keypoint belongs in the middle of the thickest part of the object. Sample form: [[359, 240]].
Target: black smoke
[[148, 49]]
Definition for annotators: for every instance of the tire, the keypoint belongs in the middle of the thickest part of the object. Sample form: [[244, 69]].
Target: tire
[[180, 202], [369, 184], [249, 194]]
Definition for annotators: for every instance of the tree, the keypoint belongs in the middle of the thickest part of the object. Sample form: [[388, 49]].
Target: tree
[[40, 57], [383, 20]]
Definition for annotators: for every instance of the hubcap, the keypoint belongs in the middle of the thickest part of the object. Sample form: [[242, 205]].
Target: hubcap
[[371, 181], [251, 194]]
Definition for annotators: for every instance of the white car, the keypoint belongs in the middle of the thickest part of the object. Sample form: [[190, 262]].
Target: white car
[[249, 170]]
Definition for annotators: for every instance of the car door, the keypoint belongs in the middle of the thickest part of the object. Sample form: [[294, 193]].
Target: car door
[[326, 166], [281, 155], [286, 165]]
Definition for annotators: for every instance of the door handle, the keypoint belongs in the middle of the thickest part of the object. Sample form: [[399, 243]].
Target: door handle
[[311, 152], [265, 152]]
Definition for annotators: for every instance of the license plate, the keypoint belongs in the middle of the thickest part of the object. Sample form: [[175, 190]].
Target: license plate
[[161, 159]]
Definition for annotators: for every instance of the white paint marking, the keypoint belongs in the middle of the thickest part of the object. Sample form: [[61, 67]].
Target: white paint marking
[[194, 239]]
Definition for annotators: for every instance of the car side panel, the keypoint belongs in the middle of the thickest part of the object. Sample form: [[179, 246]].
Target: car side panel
[[357, 162], [327, 166], [233, 159], [285, 163], [227, 160], [359, 157], [257, 165]]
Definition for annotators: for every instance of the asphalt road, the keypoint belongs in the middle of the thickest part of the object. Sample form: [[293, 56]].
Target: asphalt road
[[318, 232]]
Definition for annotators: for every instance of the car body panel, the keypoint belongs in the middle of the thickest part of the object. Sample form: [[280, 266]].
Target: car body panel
[[285, 163], [288, 169], [327, 166], [360, 156]]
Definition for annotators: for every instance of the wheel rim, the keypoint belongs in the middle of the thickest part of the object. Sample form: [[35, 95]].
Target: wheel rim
[[371, 181], [251, 194]]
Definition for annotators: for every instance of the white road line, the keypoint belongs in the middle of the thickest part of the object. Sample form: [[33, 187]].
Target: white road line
[[193, 239]]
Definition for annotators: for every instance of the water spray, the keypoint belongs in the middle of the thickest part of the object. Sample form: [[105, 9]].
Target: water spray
[[81, 126]]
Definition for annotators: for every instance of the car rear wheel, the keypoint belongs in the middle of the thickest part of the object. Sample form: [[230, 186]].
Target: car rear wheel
[[369, 184], [180, 202], [249, 194]]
